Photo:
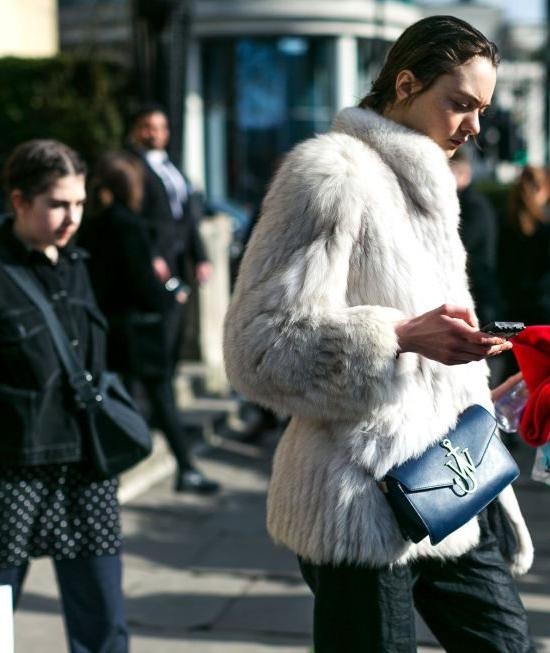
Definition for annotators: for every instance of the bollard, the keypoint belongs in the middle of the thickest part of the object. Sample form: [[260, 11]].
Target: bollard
[[214, 300], [6, 619]]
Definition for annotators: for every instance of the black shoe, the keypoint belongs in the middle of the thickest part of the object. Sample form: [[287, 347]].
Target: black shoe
[[191, 480]]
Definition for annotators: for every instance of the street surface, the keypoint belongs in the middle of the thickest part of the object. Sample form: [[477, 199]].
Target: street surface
[[201, 575]]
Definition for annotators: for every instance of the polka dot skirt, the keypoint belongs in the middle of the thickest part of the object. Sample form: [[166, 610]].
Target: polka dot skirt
[[59, 511]]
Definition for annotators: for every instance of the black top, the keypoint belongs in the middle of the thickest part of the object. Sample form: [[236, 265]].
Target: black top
[[479, 233], [120, 262], [132, 298], [524, 274]]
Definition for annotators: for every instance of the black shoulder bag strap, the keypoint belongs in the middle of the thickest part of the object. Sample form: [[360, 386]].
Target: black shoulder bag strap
[[79, 379]]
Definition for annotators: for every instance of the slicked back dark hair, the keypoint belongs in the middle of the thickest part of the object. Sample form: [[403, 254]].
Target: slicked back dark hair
[[34, 166], [429, 48]]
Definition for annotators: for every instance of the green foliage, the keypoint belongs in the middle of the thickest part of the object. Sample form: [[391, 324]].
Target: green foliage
[[73, 100]]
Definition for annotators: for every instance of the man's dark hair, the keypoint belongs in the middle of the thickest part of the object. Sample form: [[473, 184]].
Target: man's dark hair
[[145, 110], [429, 48]]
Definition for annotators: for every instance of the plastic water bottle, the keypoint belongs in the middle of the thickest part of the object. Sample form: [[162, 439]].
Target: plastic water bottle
[[541, 466], [509, 407]]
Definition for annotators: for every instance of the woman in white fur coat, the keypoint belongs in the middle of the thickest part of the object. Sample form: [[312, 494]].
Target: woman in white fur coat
[[352, 314]]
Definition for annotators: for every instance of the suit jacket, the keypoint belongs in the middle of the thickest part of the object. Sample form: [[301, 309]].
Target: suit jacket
[[177, 241]]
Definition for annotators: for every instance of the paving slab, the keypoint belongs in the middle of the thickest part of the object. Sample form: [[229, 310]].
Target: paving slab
[[171, 602], [270, 607], [202, 576]]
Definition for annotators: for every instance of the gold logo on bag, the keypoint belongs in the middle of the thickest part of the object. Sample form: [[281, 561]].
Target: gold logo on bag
[[462, 465]]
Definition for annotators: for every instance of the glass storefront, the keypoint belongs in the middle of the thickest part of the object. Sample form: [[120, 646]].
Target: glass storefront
[[261, 96], [370, 59]]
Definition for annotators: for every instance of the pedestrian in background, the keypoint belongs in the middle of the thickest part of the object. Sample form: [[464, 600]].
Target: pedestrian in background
[[171, 208], [478, 231], [524, 248], [51, 503], [523, 255], [135, 301], [352, 314]]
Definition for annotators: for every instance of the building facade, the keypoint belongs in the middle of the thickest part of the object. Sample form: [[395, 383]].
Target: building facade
[[264, 74], [261, 75]]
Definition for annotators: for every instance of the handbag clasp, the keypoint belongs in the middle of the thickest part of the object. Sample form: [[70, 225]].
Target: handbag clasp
[[462, 465]]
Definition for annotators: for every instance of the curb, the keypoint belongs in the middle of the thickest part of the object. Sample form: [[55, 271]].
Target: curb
[[157, 466]]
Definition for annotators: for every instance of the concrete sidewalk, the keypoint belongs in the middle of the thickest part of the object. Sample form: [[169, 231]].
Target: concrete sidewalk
[[201, 575]]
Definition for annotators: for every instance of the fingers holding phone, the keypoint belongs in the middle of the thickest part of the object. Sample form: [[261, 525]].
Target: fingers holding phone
[[504, 331], [449, 335]]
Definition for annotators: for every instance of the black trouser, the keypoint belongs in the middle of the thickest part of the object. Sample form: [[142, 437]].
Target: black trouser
[[470, 604], [160, 394]]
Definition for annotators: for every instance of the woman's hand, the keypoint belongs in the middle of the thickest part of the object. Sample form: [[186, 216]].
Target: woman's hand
[[448, 334]]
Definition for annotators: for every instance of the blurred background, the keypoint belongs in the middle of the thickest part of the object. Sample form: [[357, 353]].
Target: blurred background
[[243, 80]]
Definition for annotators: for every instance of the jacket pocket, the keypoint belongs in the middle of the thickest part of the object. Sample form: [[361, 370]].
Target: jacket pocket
[[19, 409], [27, 357], [38, 421]]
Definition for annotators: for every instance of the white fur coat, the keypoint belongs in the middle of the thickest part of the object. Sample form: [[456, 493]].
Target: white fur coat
[[358, 230]]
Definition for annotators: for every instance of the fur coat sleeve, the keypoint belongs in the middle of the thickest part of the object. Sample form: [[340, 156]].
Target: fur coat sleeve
[[293, 342]]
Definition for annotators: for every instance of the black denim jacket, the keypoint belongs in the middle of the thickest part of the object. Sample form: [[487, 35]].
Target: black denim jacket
[[40, 421]]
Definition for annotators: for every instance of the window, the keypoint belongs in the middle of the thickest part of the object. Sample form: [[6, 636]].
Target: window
[[262, 95]]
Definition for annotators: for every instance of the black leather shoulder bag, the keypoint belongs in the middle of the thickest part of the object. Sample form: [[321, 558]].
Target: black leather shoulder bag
[[118, 436]]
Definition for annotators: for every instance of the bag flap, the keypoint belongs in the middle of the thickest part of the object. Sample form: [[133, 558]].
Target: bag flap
[[462, 447]]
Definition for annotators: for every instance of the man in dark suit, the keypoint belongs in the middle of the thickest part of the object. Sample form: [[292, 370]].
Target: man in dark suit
[[172, 210], [170, 205]]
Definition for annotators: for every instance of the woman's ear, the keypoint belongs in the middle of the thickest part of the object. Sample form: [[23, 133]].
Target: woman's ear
[[406, 86], [106, 197], [17, 200]]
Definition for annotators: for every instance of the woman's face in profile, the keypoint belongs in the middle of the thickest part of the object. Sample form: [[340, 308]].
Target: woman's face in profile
[[52, 217], [538, 190], [448, 112]]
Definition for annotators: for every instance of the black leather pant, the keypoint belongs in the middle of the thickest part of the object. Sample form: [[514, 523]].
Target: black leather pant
[[470, 604]]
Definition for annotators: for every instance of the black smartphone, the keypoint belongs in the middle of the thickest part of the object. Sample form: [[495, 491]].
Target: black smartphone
[[503, 329]]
